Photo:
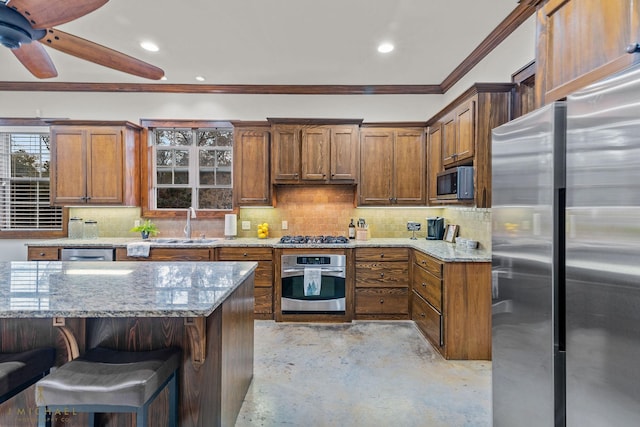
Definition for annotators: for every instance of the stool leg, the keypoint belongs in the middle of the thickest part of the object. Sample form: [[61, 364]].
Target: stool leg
[[173, 400]]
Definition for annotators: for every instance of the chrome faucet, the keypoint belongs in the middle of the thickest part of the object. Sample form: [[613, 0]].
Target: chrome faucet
[[191, 213]]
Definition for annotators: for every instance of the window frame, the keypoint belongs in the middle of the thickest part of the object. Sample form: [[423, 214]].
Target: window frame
[[33, 234], [147, 176]]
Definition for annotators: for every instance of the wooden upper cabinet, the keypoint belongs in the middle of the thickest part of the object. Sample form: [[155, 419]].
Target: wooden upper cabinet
[[344, 158], [459, 134], [95, 164], [392, 166], [434, 161], [314, 153], [582, 41], [286, 153], [252, 185], [463, 129]]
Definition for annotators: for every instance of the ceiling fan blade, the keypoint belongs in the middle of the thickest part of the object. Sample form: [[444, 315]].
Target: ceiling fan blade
[[93, 52], [36, 59], [46, 13]]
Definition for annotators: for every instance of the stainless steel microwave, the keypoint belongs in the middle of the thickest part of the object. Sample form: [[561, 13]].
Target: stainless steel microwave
[[455, 183]]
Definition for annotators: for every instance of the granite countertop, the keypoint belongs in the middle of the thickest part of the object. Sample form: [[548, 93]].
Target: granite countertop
[[439, 249], [44, 289]]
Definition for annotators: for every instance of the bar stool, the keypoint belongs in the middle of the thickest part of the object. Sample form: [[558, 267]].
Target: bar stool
[[20, 370], [105, 380]]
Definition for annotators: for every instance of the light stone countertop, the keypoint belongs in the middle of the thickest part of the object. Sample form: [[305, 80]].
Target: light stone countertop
[[45, 289], [439, 249]]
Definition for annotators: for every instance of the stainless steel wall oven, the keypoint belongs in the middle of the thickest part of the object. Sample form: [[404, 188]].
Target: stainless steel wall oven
[[313, 283]]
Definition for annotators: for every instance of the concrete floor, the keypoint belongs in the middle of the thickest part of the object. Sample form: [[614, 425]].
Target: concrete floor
[[360, 374]]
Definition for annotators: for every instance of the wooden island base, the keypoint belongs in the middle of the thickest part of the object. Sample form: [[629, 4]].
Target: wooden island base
[[211, 392]]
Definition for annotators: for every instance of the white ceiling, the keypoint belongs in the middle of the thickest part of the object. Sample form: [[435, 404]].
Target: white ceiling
[[280, 41]]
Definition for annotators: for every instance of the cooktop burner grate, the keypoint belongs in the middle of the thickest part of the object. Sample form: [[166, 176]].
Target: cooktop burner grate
[[299, 240]]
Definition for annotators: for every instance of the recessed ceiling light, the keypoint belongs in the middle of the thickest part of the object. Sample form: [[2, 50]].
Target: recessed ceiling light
[[200, 78], [150, 46], [385, 47]]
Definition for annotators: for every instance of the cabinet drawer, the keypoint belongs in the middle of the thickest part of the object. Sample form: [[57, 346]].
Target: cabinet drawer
[[382, 274], [428, 286], [241, 254], [382, 301], [382, 254], [263, 298], [40, 253], [167, 254], [430, 264], [264, 274], [428, 320]]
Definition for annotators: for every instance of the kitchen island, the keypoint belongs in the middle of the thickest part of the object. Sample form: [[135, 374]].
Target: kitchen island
[[206, 308]]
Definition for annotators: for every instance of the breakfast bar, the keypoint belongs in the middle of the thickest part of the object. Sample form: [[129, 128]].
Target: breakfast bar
[[205, 308]]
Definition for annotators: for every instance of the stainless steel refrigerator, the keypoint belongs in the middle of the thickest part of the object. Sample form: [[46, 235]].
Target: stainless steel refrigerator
[[566, 261]]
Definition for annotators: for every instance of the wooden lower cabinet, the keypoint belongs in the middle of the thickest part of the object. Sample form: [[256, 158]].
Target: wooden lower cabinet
[[46, 253], [263, 291], [451, 305], [382, 283]]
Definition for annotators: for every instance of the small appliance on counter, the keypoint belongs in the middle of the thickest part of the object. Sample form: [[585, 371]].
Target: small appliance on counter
[[435, 228], [413, 226]]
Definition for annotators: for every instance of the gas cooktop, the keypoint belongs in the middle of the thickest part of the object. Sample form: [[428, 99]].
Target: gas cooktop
[[299, 240]]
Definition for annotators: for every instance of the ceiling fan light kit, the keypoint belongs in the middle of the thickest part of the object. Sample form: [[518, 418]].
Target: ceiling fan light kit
[[23, 22]]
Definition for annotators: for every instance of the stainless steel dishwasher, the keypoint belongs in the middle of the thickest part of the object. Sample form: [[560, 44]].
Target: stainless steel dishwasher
[[87, 254]]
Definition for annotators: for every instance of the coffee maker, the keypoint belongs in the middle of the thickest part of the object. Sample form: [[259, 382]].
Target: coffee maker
[[435, 228]]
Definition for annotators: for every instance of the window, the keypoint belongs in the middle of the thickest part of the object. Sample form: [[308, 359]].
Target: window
[[192, 167], [24, 183]]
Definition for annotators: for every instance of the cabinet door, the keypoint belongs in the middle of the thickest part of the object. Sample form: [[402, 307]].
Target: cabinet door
[[410, 178], [104, 166], [449, 139], [581, 41], [465, 131], [376, 166], [434, 160], [344, 153], [286, 154], [315, 153], [251, 161], [69, 168]]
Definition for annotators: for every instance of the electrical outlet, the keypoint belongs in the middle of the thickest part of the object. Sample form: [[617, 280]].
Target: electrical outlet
[[285, 225], [136, 223], [246, 225]]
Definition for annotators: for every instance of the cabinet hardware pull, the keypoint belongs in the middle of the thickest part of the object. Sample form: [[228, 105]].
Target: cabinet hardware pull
[[633, 48], [381, 255], [381, 274], [381, 301], [423, 315], [424, 285], [245, 254], [41, 253]]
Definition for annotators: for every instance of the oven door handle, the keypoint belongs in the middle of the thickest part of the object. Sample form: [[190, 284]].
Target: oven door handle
[[327, 270]]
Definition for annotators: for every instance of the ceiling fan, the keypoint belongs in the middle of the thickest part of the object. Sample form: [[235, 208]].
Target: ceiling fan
[[26, 25]]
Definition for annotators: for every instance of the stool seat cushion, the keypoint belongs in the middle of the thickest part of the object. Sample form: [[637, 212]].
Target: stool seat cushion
[[108, 377], [18, 368]]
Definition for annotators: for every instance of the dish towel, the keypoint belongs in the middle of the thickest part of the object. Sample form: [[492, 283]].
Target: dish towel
[[138, 249], [312, 281]]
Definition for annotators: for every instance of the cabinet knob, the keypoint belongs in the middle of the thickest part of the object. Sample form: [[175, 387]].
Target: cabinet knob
[[245, 254], [633, 48], [423, 262], [381, 274], [381, 301], [424, 285], [423, 315], [381, 255], [41, 253]]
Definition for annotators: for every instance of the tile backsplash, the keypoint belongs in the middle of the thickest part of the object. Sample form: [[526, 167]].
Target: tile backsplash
[[308, 210]]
